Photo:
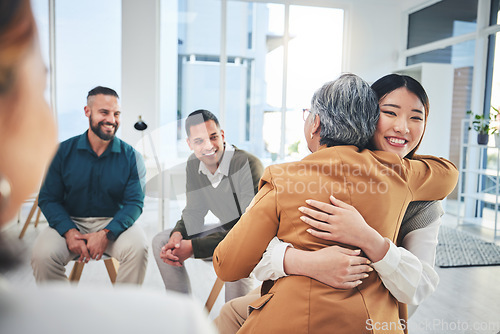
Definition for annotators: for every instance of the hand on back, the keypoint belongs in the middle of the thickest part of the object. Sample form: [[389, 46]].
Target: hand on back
[[342, 223], [338, 222]]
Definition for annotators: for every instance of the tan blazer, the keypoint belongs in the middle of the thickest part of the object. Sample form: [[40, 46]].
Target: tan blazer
[[379, 185]]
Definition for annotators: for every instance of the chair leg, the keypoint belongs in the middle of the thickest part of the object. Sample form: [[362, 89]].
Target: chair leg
[[112, 266], [76, 272], [28, 220], [37, 217], [214, 294]]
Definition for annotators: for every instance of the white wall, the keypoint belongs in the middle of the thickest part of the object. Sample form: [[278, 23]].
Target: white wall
[[140, 66], [373, 38], [437, 79]]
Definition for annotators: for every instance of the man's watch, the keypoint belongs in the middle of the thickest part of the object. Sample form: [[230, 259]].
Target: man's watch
[[109, 234]]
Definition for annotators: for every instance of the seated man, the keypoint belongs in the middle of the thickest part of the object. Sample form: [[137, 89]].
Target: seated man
[[220, 178], [92, 195]]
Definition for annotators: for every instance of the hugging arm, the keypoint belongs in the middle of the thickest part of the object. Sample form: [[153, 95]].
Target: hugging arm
[[411, 277], [409, 274], [236, 256], [406, 271], [336, 266]]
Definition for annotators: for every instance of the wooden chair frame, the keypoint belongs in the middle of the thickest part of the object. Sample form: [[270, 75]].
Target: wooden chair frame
[[30, 215], [111, 264], [212, 297]]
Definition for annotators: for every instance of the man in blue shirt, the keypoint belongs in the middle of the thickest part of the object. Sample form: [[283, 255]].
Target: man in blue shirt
[[91, 197]]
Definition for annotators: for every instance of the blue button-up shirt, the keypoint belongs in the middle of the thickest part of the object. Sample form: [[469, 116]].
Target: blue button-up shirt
[[81, 184]]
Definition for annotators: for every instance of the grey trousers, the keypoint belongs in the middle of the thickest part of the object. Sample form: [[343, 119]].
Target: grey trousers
[[177, 278], [51, 253]]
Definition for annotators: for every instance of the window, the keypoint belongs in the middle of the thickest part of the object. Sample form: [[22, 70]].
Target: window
[[447, 33], [251, 63], [444, 19], [454, 20], [492, 94], [245, 48], [495, 12], [41, 14], [198, 58], [311, 62]]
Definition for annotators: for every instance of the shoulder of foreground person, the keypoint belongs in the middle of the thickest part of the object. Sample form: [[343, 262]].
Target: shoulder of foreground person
[[106, 310]]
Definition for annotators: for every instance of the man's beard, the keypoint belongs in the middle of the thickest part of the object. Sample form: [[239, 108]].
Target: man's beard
[[98, 131]]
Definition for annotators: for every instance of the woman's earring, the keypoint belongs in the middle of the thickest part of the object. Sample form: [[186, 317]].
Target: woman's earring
[[5, 190]]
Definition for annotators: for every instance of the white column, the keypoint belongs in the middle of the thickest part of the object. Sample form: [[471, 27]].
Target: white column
[[477, 100], [140, 66], [140, 83]]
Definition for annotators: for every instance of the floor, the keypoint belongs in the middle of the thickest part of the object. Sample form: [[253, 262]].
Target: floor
[[467, 300]]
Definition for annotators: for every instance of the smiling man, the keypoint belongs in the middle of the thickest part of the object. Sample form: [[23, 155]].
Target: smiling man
[[220, 178], [91, 197]]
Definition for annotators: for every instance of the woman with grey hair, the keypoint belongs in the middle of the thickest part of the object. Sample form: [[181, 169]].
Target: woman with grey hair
[[343, 116], [344, 97]]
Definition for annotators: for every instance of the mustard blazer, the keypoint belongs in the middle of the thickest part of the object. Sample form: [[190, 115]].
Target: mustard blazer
[[379, 185]]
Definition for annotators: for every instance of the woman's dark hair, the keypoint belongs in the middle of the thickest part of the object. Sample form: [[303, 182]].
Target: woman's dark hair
[[391, 82]]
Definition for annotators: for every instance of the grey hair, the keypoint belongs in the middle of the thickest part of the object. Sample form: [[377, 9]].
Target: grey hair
[[348, 111]]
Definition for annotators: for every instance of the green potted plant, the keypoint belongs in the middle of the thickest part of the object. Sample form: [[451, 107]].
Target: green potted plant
[[481, 124]]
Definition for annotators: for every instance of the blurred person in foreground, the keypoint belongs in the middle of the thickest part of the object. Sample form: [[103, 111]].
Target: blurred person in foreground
[[27, 143]]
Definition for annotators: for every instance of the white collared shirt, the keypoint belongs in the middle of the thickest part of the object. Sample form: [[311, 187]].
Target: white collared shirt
[[223, 168]]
